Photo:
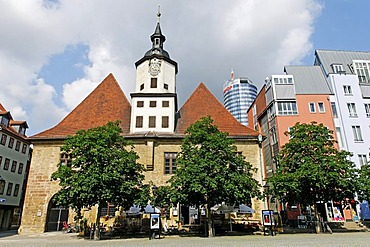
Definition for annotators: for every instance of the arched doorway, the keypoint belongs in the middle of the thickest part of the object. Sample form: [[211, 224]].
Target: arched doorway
[[55, 217]]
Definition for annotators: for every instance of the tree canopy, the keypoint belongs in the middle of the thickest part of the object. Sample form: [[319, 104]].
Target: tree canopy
[[104, 169], [210, 170], [311, 168], [363, 183]]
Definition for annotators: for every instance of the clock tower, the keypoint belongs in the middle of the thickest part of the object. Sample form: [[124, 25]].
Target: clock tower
[[154, 102]]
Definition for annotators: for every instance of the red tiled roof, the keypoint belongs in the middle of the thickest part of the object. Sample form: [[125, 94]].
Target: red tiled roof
[[105, 103], [203, 103]]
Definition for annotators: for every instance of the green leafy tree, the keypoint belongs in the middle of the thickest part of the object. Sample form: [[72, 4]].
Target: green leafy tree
[[363, 183], [210, 171], [104, 169], [311, 168]]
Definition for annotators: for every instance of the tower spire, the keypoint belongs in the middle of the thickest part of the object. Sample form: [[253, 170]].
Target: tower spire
[[159, 14]]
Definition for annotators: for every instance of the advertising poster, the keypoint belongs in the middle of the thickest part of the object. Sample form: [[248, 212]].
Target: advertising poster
[[154, 221], [268, 217]]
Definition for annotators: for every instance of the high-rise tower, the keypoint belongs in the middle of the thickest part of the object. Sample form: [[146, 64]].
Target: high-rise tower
[[154, 102], [239, 94]]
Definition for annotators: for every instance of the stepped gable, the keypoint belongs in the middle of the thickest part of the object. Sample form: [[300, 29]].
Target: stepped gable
[[107, 102], [203, 103]]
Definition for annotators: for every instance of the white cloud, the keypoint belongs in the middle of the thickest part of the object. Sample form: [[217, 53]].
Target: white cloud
[[257, 38]]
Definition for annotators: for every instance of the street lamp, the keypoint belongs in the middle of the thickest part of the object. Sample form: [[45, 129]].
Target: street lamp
[[266, 188]]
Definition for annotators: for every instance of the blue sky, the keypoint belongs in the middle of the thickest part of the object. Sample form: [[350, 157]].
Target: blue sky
[[54, 53]]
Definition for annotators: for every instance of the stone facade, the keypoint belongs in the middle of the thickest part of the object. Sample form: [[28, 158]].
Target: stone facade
[[46, 156]]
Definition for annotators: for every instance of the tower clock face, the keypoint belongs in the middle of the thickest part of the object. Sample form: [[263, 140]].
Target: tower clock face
[[154, 67]]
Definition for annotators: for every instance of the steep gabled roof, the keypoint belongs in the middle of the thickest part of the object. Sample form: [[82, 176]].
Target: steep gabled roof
[[106, 103], [203, 103]]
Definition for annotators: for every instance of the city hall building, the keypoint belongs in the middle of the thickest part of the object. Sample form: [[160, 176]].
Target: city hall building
[[152, 121]]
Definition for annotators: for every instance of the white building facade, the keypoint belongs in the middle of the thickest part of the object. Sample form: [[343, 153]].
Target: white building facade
[[348, 74]]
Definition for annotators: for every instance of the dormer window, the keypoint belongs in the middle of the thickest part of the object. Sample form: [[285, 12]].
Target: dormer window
[[4, 121], [337, 68]]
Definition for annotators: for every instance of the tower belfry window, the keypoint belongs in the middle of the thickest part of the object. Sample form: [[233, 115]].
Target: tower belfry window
[[153, 83], [156, 41]]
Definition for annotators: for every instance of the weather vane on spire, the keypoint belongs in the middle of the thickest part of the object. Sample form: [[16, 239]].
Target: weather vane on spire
[[159, 12]]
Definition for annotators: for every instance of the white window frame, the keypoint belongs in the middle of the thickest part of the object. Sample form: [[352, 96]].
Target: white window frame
[[321, 107], [287, 108], [334, 109], [311, 107], [362, 159], [347, 90], [357, 136], [367, 109], [337, 68], [352, 109]]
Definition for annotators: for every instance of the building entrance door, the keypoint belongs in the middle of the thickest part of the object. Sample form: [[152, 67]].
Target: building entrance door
[[55, 218]]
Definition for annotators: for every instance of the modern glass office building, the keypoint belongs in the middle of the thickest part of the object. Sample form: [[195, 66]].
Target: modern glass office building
[[239, 94]]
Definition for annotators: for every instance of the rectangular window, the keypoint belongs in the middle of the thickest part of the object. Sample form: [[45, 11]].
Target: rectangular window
[[3, 139], [321, 106], [2, 186], [1, 160], [9, 190], [273, 136], [24, 148], [165, 103], [139, 122], [153, 104], [153, 83], [312, 107], [367, 110], [337, 68], [17, 146], [140, 104], [65, 160], [362, 158], [6, 164], [339, 137], [347, 90], [362, 69], [287, 108], [11, 142], [20, 168], [14, 166], [165, 122], [334, 109], [151, 121], [357, 136], [16, 190], [352, 109], [142, 87], [170, 165], [165, 86], [283, 80]]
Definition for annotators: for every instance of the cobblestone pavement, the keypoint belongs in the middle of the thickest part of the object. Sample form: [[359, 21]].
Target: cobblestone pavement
[[58, 239]]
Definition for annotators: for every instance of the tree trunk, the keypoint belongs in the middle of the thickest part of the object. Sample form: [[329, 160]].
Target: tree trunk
[[97, 222], [211, 232], [316, 219]]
